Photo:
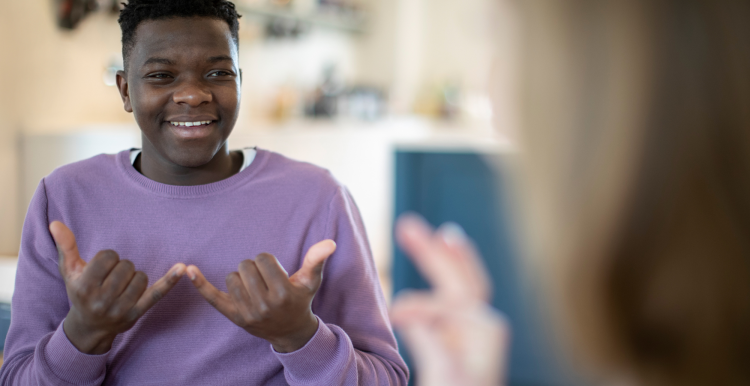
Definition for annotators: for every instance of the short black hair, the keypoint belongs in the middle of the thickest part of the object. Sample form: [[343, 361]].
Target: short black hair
[[137, 11]]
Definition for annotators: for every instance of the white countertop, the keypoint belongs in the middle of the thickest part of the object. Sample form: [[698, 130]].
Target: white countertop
[[7, 277]]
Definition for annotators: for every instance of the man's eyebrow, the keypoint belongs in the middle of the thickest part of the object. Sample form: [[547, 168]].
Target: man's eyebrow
[[220, 58], [158, 60]]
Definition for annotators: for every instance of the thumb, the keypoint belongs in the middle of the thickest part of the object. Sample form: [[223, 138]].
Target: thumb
[[311, 273], [70, 263]]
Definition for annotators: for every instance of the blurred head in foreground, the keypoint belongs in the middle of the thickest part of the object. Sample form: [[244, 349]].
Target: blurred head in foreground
[[636, 146]]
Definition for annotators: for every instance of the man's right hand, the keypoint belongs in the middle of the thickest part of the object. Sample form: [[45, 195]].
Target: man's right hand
[[107, 294]]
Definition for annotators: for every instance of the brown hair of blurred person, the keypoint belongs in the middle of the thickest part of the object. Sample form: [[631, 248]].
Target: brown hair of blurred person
[[637, 135]]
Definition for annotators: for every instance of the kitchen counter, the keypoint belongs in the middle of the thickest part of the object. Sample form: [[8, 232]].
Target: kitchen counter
[[7, 277]]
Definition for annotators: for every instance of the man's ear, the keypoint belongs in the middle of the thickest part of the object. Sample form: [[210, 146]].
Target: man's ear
[[122, 86]]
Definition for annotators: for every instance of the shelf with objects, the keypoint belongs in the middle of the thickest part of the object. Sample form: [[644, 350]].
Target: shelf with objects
[[286, 16]]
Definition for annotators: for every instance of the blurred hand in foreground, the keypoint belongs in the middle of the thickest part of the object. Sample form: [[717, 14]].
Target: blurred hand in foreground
[[451, 332]]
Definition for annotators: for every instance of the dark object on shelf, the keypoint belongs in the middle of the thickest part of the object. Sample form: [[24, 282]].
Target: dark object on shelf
[[463, 188], [364, 103], [333, 99], [115, 6], [325, 99], [71, 12], [323, 105], [351, 21], [285, 28]]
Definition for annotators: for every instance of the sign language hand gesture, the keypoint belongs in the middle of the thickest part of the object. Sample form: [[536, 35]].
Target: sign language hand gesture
[[107, 294], [267, 303], [454, 336]]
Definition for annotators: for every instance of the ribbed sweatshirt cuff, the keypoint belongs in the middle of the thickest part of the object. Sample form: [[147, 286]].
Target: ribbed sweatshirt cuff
[[70, 365], [323, 358]]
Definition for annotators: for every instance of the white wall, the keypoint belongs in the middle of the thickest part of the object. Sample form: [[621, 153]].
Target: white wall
[[376, 49], [419, 44], [8, 134], [459, 41], [50, 80]]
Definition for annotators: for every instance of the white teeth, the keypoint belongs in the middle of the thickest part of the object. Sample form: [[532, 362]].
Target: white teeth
[[189, 124]]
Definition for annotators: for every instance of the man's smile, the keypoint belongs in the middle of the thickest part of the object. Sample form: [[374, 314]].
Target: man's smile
[[192, 129], [189, 124]]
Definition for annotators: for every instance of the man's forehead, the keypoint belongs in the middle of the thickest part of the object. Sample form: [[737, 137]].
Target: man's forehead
[[202, 37]]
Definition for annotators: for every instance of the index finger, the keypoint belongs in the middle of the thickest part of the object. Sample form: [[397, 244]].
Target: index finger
[[435, 261], [219, 300], [157, 291], [466, 260]]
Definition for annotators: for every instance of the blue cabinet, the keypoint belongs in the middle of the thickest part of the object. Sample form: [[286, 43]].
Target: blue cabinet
[[463, 188], [4, 323]]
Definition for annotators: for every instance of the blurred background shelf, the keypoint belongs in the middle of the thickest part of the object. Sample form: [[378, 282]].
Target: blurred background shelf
[[352, 23]]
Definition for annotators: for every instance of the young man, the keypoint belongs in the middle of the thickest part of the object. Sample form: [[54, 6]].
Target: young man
[[185, 205]]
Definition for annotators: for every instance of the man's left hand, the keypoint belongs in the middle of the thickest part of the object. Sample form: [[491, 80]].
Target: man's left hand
[[267, 303]]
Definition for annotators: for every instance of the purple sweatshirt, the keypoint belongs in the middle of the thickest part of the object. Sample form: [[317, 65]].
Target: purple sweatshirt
[[275, 205]]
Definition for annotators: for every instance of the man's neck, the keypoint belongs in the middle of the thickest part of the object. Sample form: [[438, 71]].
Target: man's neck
[[157, 168]]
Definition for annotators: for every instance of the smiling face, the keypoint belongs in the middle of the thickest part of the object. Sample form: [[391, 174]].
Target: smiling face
[[183, 86]]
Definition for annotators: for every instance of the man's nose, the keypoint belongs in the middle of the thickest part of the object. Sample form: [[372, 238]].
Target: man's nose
[[192, 94]]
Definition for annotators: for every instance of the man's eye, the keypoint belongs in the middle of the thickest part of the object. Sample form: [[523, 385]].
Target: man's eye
[[159, 76], [219, 73]]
